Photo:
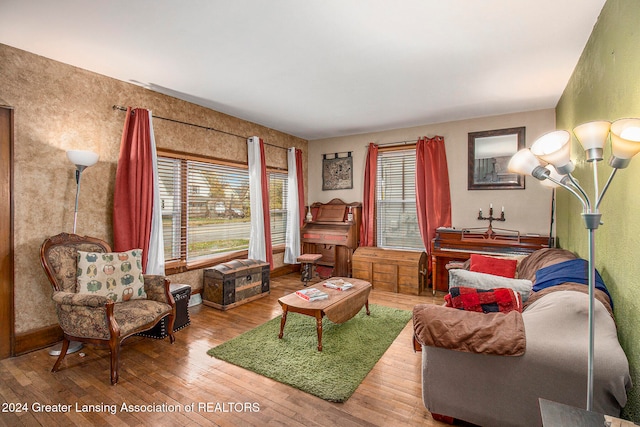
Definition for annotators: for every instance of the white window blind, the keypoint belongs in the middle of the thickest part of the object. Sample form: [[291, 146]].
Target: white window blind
[[397, 222], [278, 185], [170, 176], [219, 214], [206, 211]]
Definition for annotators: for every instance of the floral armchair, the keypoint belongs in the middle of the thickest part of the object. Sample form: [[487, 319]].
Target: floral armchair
[[87, 316]]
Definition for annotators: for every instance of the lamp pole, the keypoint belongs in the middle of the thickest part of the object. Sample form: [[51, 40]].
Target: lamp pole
[[79, 169], [592, 222]]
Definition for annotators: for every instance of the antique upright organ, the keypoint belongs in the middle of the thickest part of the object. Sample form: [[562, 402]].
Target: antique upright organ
[[334, 232]]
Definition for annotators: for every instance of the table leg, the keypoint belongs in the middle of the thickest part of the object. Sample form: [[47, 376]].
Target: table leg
[[283, 320], [366, 304], [319, 329]]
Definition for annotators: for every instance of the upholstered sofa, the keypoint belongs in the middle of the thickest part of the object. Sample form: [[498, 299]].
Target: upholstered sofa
[[490, 369]]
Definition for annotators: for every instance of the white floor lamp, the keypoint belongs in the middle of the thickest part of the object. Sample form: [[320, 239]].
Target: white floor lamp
[[82, 159], [554, 148]]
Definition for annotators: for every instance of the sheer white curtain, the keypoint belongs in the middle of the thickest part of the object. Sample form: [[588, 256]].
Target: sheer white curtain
[[292, 238], [155, 262], [260, 235]]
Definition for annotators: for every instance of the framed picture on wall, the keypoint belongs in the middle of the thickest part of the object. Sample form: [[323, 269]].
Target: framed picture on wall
[[337, 171], [489, 155]]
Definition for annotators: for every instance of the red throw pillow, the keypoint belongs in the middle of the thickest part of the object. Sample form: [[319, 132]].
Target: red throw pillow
[[501, 300], [492, 265]]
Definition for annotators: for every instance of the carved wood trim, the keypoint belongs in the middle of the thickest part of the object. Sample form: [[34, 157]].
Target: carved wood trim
[[64, 239]]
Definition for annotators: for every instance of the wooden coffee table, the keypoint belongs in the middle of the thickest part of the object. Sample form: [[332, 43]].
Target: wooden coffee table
[[340, 307]]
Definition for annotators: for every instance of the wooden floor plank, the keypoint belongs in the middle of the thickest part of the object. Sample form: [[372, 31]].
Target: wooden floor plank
[[154, 372]]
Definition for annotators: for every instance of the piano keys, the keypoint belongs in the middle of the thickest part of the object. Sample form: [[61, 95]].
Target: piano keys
[[457, 245], [334, 233]]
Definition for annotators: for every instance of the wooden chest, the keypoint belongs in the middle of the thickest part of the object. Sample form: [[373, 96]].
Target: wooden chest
[[235, 282], [391, 270]]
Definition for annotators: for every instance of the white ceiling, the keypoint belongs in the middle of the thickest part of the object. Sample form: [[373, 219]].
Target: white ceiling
[[321, 68]]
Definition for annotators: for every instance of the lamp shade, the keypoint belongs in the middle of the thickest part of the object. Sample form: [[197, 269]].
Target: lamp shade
[[555, 148], [525, 163], [82, 157], [625, 141], [592, 136]]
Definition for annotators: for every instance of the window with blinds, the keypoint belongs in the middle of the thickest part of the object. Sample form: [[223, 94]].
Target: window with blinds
[[170, 185], [397, 221], [278, 184], [206, 211]]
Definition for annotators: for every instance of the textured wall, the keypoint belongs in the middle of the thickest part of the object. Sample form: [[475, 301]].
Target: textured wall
[[59, 107], [532, 217], [605, 86]]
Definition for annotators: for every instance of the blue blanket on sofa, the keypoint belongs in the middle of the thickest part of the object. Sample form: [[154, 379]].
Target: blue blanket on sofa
[[575, 270]]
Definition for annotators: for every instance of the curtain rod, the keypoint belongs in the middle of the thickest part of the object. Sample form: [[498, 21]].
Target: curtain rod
[[399, 142], [118, 107], [395, 143]]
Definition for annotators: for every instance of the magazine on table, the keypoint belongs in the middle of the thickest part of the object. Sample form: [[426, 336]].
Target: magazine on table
[[312, 294], [338, 284]]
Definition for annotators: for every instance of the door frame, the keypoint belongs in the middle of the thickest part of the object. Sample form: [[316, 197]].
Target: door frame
[[7, 315]]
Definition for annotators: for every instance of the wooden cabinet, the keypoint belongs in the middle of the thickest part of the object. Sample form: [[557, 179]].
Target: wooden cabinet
[[391, 270]]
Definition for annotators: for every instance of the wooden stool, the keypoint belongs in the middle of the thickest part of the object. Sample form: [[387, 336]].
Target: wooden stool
[[308, 261]]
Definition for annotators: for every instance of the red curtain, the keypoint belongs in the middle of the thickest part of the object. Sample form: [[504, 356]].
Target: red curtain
[[133, 195], [300, 177], [433, 198], [367, 230], [265, 206]]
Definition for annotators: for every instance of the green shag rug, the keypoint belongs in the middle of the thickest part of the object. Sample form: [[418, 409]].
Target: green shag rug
[[349, 350]]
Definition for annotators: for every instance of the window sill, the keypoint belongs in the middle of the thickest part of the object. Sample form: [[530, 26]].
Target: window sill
[[182, 266]]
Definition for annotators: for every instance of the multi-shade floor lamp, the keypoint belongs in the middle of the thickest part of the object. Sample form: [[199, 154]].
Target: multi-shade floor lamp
[[82, 159], [554, 149]]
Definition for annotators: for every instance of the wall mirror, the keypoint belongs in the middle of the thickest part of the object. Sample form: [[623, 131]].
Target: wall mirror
[[489, 155]]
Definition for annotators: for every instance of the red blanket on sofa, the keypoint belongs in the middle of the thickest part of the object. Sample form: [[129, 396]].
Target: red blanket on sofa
[[499, 300]]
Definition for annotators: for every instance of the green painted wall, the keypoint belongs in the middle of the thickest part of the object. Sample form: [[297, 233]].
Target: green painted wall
[[606, 86]]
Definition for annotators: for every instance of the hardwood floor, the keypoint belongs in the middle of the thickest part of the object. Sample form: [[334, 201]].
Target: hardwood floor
[[153, 372]]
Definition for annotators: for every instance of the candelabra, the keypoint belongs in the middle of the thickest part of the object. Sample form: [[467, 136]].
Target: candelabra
[[491, 218]]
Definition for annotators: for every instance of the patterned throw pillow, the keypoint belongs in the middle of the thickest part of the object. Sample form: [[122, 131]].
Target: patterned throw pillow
[[116, 275]]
